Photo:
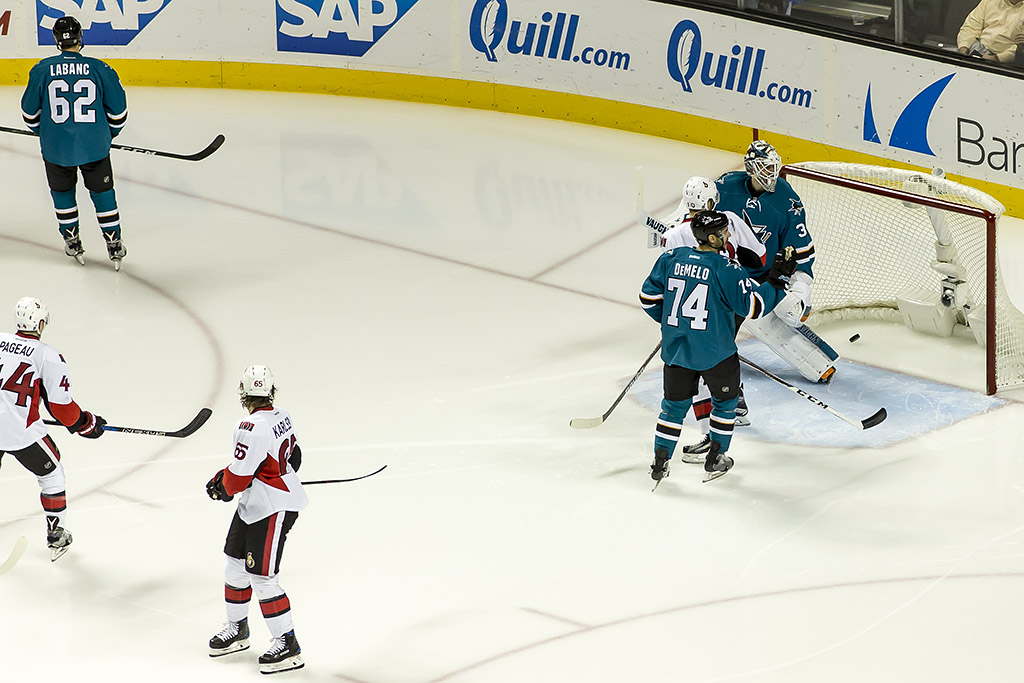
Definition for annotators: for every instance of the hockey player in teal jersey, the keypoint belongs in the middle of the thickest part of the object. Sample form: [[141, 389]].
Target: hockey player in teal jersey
[[77, 106], [696, 295], [769, 205]]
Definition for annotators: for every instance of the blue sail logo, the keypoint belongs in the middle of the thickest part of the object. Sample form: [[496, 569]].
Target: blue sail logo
[[911, 129]]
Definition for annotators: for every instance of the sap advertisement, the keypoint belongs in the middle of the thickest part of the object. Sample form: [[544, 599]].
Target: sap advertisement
[[647, 53]]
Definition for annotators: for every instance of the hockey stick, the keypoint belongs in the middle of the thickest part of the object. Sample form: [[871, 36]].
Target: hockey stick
[[16, 552], [590, 422], [191, 428], [198, 156], [338, 481], [868, 423]]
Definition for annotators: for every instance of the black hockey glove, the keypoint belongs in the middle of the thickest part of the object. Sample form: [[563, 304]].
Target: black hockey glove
[[215, 488], [783, 266], [88, 425], [295, 460]]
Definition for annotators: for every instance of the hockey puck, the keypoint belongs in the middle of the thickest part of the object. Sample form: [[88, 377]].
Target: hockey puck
[[854, 338]]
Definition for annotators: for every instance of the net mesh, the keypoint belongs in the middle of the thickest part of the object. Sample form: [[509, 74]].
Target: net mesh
[[870, 249]]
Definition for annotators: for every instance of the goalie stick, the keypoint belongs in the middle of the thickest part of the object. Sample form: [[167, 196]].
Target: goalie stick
[[16, 552], [590, 422], [338, 481], [191, 428], [867, 423], [198, 156]]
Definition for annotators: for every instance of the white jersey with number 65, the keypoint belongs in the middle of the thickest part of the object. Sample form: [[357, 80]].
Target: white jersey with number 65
[[263, 445]]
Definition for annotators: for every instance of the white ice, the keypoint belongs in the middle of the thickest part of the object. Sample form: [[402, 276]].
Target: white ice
[[442, 290]]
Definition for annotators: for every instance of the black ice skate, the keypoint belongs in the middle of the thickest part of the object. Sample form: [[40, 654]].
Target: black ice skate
[[73, 248], [695, 452], [115, 250], [284, 655], [741, 411], [234, 637], [659, 468], [59, 542], [716, 464]]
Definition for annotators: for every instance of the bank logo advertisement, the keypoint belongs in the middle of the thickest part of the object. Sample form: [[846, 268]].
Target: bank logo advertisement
[[104, 22], [741, 70], [552, 35], [910, 131], [336, 27]]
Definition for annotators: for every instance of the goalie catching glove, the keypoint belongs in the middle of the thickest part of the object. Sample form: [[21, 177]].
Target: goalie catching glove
[[215, 488], [796, 305]]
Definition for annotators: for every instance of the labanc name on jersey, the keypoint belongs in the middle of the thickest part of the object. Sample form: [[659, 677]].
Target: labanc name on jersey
[[70, 69]]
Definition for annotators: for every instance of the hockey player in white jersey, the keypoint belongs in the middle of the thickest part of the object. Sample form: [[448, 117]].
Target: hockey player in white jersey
[[34, 374], [263, 475]]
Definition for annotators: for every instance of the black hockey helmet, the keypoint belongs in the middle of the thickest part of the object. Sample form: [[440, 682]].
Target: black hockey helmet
[[67, 32], [707, 223]]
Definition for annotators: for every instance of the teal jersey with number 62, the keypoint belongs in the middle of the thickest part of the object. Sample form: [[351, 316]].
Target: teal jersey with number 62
[[77, 106], [696, 296]]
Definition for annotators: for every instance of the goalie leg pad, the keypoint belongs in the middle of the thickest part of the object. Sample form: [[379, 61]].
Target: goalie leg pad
[[800, 347]]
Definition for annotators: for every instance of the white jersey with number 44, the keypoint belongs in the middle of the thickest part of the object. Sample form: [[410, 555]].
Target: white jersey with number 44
[[263, 445], [30, 372]]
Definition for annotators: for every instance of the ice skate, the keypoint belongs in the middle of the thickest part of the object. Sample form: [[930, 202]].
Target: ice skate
[[741, 411], [58, 541], [115, 250], [659, 468], [234, 637], [73, 248], [284, 655], [695, 452], [716, 463]]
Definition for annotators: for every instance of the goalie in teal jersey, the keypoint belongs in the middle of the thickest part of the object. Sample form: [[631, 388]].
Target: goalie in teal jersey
[[696, 294], [77, 106]]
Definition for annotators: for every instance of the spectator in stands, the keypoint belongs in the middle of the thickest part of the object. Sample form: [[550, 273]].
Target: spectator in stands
[[992, 30]]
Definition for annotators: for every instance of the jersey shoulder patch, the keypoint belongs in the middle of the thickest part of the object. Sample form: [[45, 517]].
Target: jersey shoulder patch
[[247, 426]]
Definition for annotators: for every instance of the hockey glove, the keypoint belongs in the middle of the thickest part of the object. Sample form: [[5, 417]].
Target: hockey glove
[[89, 426], [295, 460], [796, 305], [215, 488], [783, 266]]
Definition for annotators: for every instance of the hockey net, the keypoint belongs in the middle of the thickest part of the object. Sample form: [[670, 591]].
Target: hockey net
[[883, 234]]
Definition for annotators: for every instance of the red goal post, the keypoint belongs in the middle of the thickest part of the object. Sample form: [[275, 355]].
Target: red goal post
[[883, 235]]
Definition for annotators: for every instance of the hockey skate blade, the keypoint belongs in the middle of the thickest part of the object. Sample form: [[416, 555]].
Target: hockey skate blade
[[80, 259], [585, 422], [57, 553], [289, 664], [16, 552], [117, 265], [237, 646], [711, 476]]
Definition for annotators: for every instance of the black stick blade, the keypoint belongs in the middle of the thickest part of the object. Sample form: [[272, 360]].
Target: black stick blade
[[210, 149], [875, 419], [192, 427]]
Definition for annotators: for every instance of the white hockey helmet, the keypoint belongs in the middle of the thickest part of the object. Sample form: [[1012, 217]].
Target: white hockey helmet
[[30, 313], [257, 380], [763, 163], [700, 194]]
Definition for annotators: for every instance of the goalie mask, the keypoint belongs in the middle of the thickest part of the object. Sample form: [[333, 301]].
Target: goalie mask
[[700, 194], [707, 223], [29, 314], [763, 163], [67, 32], [257, 380]]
